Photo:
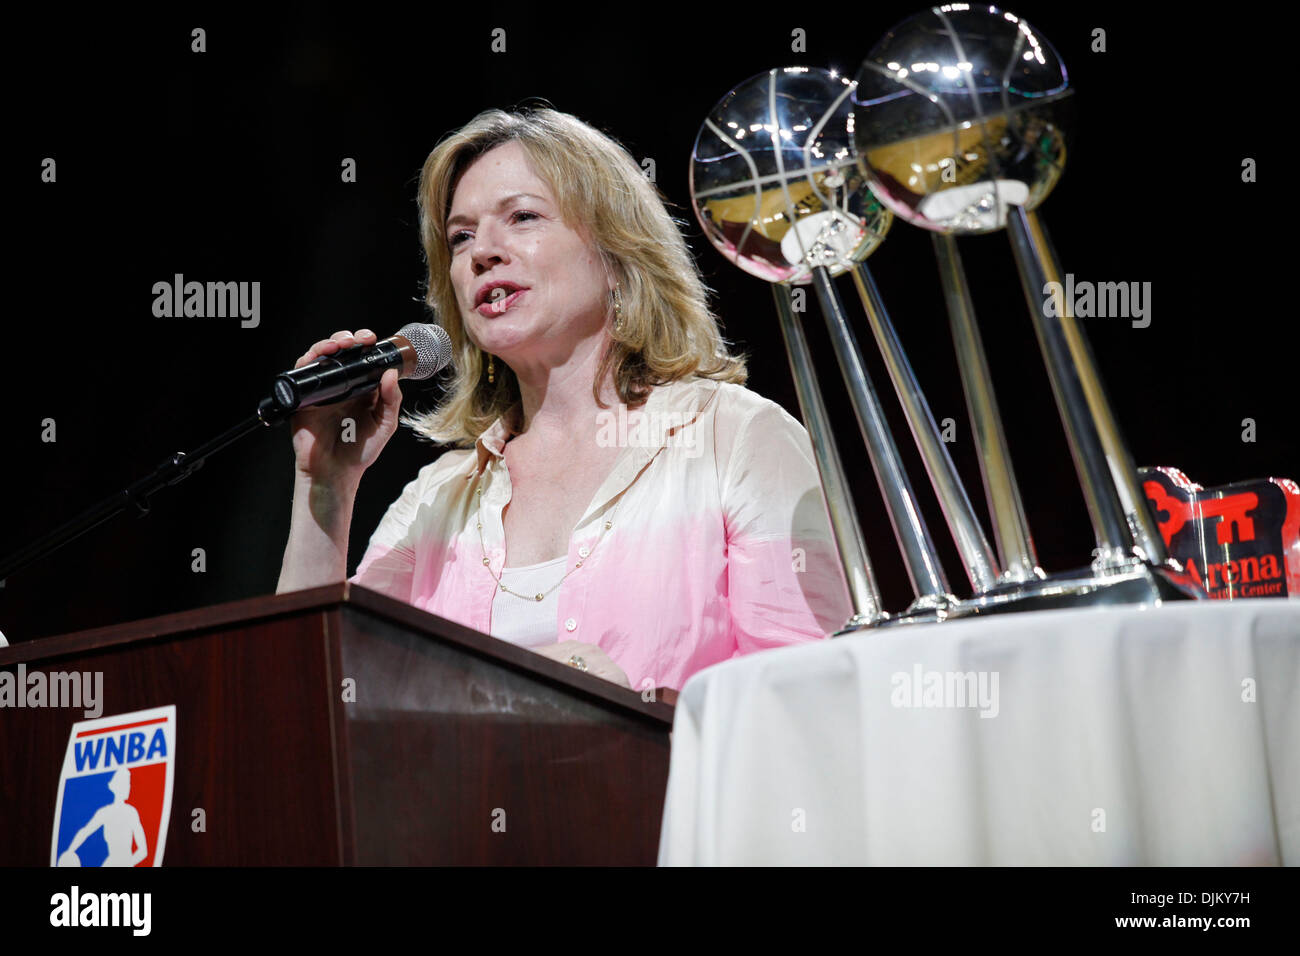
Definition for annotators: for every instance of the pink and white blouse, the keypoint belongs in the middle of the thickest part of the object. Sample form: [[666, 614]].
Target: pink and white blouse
[[709, 539]]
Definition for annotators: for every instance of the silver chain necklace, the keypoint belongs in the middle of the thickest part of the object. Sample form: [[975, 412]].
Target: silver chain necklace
[[478, 522]]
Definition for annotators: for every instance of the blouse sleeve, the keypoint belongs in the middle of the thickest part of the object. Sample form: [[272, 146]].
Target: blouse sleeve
[[785, 581], [388, 566]]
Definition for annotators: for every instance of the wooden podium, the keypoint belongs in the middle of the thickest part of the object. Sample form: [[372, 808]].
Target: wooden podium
[[338, 726]]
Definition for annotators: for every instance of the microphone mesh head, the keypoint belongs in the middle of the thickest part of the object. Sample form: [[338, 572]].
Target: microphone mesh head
[[432, 347]]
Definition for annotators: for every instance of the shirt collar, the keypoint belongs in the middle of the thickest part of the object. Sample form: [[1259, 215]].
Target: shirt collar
[[492, 443]]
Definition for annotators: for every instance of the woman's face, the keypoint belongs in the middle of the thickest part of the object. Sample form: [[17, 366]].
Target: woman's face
[[504, 229]]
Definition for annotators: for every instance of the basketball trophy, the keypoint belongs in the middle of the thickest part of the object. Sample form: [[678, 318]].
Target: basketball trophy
[[777, 187], [960, 123]]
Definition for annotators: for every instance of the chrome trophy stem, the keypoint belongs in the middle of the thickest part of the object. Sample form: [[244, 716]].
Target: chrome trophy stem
[[1006, 508], [976, 555], [1116, 505], [922, 562], [849, 540]]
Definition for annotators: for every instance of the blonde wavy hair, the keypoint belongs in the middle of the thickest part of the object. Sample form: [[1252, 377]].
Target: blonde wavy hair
[[668, 330]]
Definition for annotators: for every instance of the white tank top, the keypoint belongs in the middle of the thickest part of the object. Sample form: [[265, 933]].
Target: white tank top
[[529, 623]]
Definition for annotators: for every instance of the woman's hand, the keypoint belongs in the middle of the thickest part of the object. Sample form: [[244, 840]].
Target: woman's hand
[[597, 661], [320, 453]]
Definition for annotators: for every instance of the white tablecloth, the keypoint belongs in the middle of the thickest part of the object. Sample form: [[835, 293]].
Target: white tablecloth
[[1166, 736]]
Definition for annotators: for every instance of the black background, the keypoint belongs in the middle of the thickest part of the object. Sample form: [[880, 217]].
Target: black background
[[934, 904], [225, 166]]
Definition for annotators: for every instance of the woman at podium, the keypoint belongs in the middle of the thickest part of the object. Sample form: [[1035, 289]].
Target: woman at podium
[[612, 495]]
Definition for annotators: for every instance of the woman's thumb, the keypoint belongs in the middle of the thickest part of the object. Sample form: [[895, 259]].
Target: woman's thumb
[[390, 393]]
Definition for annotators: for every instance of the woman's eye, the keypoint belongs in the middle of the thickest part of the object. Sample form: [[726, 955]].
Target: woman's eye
[[457, 238], [524, 212]]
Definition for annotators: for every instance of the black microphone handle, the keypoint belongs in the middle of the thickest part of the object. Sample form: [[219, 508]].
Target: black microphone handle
[[337, 377]]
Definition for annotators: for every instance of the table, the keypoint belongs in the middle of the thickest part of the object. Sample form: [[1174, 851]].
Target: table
[[1098, 736]]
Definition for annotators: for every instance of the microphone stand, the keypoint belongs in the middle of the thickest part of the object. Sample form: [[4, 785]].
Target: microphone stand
[[175, 469]]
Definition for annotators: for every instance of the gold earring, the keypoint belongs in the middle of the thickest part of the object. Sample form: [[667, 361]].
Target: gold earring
[[492, 369], [618, 310]]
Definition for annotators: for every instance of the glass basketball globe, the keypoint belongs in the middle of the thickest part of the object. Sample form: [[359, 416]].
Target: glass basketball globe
[[961, 113], [775, 182]]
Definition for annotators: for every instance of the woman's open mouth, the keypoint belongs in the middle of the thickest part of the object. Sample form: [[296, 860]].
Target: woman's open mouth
[[499, 301]]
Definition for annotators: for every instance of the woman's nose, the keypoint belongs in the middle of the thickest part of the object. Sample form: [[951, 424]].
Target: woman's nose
[[487, 249]]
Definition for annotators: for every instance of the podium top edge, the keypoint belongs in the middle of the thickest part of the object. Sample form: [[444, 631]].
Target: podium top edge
[[252, 610]]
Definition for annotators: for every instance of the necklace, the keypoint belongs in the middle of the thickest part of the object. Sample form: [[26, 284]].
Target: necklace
[[478, 522]]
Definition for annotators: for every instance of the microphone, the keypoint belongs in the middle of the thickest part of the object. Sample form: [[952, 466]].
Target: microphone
[[419, 350]]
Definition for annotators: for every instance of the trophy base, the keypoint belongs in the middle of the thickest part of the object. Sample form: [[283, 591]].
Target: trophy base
[[1136, 584], [927, 609]]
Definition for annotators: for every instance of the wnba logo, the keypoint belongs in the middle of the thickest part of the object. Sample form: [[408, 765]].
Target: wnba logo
[[115, 791]]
